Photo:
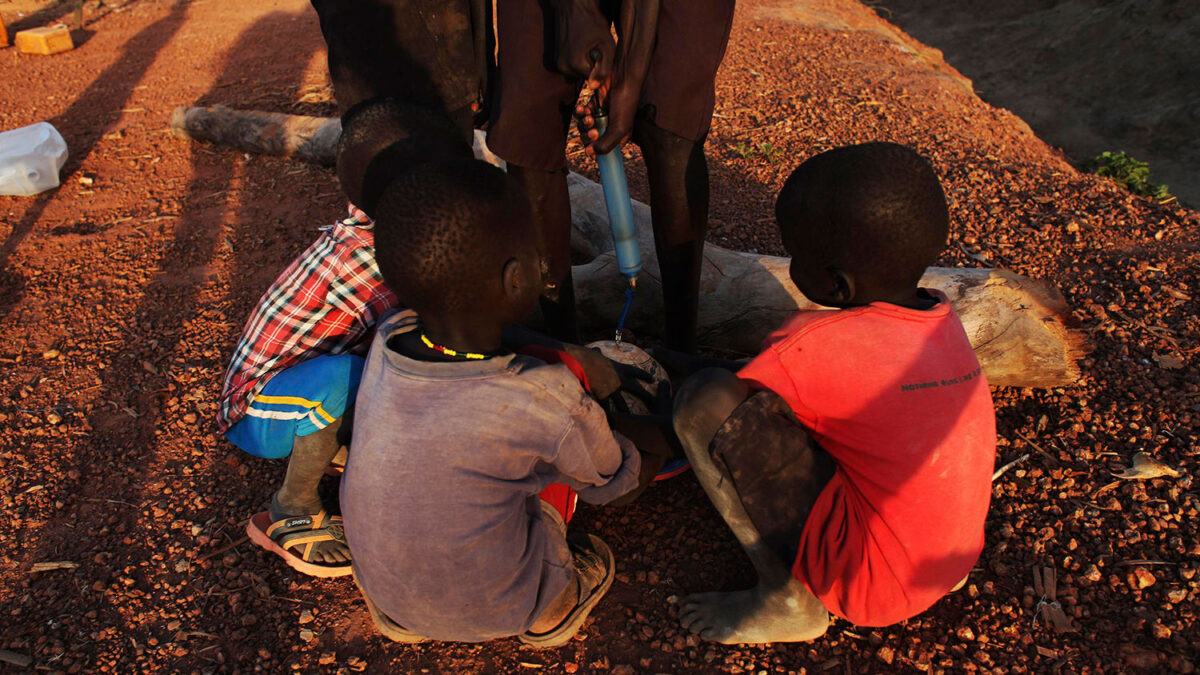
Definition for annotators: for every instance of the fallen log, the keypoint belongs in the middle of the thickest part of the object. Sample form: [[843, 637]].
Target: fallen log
[[312, 139], [1017, 325]]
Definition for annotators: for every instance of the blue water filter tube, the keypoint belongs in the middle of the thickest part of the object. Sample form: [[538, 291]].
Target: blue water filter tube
[[620, 208]]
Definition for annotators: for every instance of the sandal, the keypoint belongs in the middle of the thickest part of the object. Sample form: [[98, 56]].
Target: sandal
[[595, 569], [301, 533], [673, 467]]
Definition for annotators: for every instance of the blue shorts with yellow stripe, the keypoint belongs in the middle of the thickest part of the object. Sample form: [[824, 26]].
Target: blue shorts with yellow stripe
[[298, 401]]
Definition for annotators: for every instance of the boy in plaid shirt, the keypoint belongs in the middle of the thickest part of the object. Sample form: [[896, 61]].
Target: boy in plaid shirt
[[291, 384], [407, 82], [292, 379]]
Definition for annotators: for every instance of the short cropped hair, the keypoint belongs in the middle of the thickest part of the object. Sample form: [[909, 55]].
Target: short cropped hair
[[875, 209], [444, 232], [382, 138]]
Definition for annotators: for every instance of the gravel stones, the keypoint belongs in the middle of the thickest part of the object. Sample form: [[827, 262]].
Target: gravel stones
[[110, 463]]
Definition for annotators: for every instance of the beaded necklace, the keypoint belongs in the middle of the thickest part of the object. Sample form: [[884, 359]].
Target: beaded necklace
[[450, 352]]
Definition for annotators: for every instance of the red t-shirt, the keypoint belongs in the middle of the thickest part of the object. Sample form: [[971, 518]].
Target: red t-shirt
[[898, 398]]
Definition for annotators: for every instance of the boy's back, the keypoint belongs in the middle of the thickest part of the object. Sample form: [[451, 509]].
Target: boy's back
[[325, 302], [441, 500], [897, 398]]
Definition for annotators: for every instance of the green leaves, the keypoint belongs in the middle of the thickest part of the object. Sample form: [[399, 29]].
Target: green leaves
[[766, 150], [1127, 171]]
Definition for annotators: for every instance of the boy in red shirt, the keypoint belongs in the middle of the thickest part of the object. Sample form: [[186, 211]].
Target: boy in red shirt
[[852, 458]]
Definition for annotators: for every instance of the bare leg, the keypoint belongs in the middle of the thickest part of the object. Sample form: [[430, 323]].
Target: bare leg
[[678, 174], [298, 495], [551, 206], [779, 608]]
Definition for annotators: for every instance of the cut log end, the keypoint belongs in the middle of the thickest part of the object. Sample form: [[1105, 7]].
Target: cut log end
[[312, 139]]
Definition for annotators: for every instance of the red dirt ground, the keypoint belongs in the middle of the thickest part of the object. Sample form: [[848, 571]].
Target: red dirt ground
[[123, 292]]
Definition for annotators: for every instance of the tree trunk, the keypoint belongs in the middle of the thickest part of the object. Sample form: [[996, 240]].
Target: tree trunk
[[312, 139], [1016, 324]]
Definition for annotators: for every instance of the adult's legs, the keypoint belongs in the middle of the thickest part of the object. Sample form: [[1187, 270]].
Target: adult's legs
[[530, 111], [677, 104], [423, 52], [678, 175], [408, 76], [779, 608], [551, 208]]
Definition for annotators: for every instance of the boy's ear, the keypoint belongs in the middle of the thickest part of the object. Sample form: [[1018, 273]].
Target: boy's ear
[[842, 285], [514, 281]]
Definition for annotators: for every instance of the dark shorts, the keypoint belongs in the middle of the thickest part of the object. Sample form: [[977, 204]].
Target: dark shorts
[[776, 467], [532, 104], [424, 52]]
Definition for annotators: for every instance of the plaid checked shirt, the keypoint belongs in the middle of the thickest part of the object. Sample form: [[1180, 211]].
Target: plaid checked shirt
[[326, 302]]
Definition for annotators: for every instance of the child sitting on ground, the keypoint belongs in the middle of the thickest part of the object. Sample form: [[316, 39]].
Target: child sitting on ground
[[852, 458], [291, 384], [455, 437]]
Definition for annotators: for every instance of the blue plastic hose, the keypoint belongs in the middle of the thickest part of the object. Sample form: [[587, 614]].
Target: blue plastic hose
[[624, 312]]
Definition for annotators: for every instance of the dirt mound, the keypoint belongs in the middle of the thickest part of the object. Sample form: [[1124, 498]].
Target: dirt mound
[[1088, 75]]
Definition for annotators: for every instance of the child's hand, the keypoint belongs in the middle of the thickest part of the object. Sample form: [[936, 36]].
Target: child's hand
[[680, 365], [659, 404], [677, 364], [605, 377], [655, 439], [654, 435]]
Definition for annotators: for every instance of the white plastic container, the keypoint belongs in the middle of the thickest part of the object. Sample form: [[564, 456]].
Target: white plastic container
[[30, 159]]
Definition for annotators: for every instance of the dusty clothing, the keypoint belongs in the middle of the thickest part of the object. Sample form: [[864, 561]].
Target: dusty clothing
[[777, 469], [898, 399], [426, 52], [532, 103], [325, 302], [397, 633], [440, 495]]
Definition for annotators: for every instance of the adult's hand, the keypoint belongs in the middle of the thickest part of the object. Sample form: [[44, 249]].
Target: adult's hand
[[621, 93], [583, 42]]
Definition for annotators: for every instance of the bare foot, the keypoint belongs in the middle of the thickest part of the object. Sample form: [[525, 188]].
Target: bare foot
[[334, 552], [779, 609], [757, 615]]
